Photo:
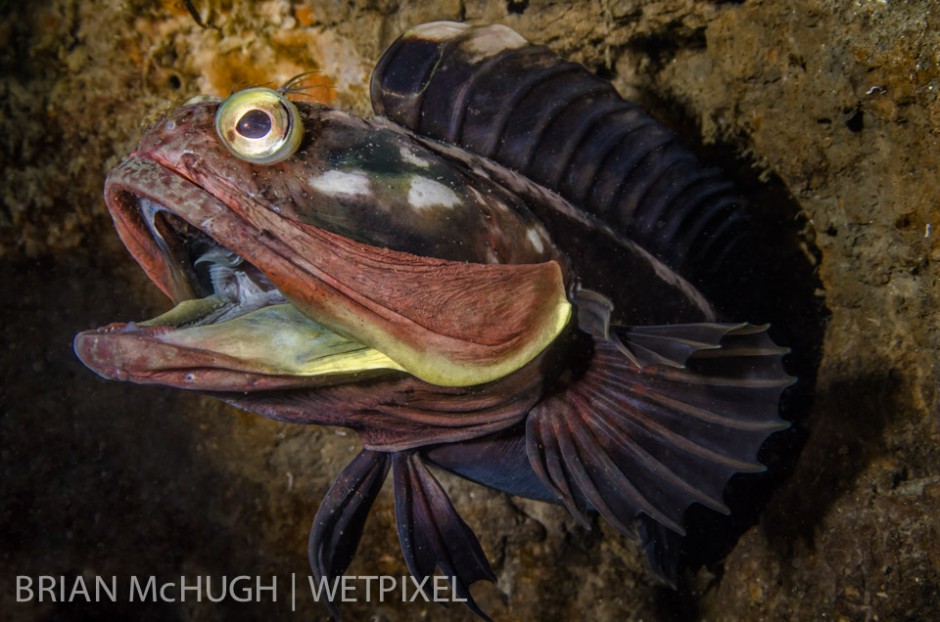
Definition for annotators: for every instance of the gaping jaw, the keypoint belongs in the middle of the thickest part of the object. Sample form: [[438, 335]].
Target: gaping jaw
[[231, 328], [269, 302]]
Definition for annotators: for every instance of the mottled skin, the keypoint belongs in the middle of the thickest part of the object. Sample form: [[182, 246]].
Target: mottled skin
[[513, 338]]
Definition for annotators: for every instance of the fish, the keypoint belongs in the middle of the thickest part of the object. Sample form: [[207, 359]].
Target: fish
[[503, 274]]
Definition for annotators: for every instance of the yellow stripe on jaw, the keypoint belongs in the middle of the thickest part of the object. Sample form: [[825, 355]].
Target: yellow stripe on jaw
[[442, 371], [281, 340]]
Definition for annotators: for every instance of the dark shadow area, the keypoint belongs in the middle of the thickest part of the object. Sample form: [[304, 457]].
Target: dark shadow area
[[776, 284], [95, 612], [102, 479], [847, 436], [773, 279], [660, 48], [673, 606]]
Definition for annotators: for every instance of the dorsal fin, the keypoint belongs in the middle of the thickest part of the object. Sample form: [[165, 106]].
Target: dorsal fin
[[491, 92]]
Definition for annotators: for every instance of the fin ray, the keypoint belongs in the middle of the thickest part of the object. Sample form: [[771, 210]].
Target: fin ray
[[545, 458], [432, 534], [339, 521], [614, 476], [631, 440]]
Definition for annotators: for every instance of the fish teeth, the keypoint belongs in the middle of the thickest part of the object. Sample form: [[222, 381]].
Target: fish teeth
[[149, 211], [221, 256], [224, 281]]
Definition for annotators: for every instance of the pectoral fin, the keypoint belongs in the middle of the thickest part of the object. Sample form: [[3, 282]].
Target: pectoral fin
[[667, 425]]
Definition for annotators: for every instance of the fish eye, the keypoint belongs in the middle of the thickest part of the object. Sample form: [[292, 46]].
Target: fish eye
[[259, 125]]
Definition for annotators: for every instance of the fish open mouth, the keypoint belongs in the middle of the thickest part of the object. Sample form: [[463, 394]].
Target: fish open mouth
[[226, 286], [231, 327], [268, 301]]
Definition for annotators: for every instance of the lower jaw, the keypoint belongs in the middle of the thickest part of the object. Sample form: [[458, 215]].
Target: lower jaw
[[274, 347]]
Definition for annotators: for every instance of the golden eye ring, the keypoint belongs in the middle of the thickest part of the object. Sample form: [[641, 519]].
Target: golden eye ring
[[259, 125]]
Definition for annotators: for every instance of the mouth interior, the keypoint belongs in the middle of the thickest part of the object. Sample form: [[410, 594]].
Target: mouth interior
[[237, 311], [225, 284]]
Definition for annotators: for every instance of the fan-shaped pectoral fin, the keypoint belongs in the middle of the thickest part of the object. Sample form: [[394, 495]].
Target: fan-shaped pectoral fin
[[627, 439]]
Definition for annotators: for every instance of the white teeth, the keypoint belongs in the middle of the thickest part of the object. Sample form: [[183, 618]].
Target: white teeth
[[251, 294], [220, 256], [223, 282], [245, 289], [149, 210], [226, 282], [237, 286]]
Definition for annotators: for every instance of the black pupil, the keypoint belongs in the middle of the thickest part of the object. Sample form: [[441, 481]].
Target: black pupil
[[254, 124]]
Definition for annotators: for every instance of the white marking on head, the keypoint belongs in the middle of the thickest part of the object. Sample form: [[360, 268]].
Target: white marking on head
[[534, 236], [424, 193], [340, 183], [408, 156], [437, 31], [483, 43], [479, 171]]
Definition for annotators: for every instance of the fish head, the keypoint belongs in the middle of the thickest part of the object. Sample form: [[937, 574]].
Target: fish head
[[355, 252]]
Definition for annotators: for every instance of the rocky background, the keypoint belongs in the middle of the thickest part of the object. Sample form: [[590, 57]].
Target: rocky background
[[826, 111]]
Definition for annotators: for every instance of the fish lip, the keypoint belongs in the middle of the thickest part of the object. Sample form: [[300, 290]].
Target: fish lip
[[140, 178], [128, 352]]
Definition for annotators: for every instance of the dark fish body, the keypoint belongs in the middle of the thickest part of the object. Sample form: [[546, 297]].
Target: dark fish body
[[492, 93], [499, 278]]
